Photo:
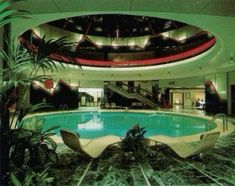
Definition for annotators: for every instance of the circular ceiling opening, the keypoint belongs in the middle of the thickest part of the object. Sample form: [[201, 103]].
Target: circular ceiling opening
[[117, 25], [117, 40]]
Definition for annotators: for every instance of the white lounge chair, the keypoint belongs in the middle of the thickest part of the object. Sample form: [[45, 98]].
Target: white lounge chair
[[89, 147], [184, 149]]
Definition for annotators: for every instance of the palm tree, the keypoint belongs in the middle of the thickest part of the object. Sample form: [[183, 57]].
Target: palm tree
[[6, 15], [21, 68]]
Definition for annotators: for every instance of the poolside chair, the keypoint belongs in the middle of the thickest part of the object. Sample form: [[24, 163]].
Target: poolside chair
[[107, 106], [114, 106], [185, 150], [89, 147]]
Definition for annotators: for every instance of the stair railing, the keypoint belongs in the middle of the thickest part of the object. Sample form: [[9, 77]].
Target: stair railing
[[64, 107], [125, 92], [224, 119]]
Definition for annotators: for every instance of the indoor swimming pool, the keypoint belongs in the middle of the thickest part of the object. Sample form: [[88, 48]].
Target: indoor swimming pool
[[92, 124]]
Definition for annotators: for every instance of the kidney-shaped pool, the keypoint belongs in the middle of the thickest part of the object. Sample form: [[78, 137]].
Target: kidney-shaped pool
[[94, 124]]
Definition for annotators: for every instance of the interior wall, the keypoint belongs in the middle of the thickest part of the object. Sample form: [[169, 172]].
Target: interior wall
[[90, 84], [130, 56], [182, 82]]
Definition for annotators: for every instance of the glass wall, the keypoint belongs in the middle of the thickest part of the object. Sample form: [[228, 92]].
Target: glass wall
[[90, 96]]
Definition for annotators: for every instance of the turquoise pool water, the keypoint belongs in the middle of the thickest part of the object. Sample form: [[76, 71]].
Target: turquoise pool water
[[96, 124]]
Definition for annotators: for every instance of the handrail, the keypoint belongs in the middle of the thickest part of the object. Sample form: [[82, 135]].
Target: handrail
[[225, 121], [64, 107], [127, 94], [213, 88], [135, 89], [141, 89]]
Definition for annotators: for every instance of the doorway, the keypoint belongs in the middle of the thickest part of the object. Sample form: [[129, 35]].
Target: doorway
[[178, 99]]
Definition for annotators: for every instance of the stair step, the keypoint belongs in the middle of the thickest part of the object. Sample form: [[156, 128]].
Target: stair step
[[125, 93]]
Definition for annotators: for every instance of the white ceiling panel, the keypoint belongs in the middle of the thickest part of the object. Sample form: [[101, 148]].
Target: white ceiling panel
[[37, 6], [209, 7], [81, 5], [182, 6], [220, 7]]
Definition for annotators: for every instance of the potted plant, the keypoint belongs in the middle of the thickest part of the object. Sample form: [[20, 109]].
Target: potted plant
[[134, 145]]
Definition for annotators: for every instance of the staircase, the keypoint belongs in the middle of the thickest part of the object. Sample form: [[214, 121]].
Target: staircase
[[128, 95]]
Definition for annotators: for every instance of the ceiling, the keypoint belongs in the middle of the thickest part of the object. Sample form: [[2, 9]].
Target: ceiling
[[116, 25], [215, 16]]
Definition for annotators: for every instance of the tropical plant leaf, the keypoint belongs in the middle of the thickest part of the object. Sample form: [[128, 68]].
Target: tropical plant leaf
[[52, 155], [21, 133], [4, 5], [48, 135], [28, 180], [51, 142], [35, 140], [43, 177], [4, 22], [7, 13], [38, 106], [15, 180], [18, 154], [42, 154]]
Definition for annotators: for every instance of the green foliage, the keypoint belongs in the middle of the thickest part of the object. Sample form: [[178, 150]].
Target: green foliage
[[134, 144], [31, 146], [16, 74], [33, 178], [134, 140], [7, 14]]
